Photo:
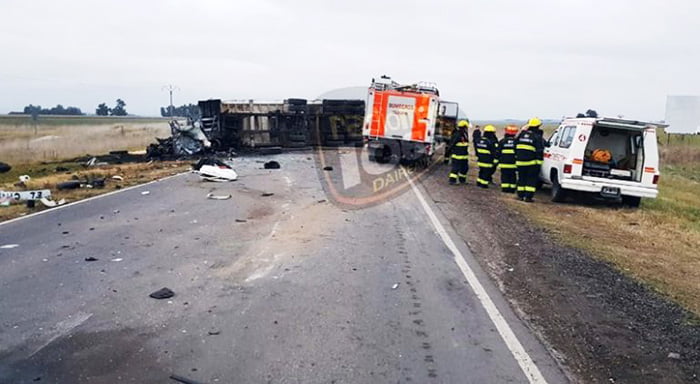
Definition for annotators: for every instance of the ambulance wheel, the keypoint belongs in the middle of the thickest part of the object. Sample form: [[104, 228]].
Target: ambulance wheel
[[631, 201], [558, 193]]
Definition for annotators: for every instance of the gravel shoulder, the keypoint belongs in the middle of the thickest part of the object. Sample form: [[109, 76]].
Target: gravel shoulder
[[601, 325]]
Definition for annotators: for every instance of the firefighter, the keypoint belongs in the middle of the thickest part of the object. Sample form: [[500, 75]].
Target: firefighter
[[459, 153], [506, 160], [476, 135], [529, 153], [486, 156], [454, 138]]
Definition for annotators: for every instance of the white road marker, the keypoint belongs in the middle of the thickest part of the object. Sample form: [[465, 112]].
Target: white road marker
[[528, 366]]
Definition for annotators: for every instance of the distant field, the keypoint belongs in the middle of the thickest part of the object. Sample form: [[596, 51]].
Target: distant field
[[49, 138]]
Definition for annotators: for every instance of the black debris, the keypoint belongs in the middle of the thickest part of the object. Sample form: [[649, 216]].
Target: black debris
[[184, 380], [4, 167], [241, 220], [272, 165], [322, 201], [31, 203], [328, 168], [266, 194], [214, 332], [163, 293], [90, 259], [73, 184], [92, 228]]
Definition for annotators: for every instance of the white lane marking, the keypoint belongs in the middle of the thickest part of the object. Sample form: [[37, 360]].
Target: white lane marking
[[524, 360], [350, 168], [73, 204]]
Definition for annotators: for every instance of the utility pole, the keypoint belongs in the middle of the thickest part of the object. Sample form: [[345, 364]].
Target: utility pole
[[171, 88]]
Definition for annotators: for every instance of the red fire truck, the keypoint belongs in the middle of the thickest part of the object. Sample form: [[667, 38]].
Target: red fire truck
[[403, 123]]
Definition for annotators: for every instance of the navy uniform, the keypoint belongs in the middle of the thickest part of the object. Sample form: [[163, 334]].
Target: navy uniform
[[506, 160], [459, 154], [529, 155], [486, 156]]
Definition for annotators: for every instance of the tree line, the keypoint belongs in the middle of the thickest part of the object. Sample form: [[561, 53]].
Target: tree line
[[185, 110]]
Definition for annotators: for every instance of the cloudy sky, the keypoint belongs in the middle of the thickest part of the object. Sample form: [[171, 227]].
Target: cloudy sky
[[497, 58]]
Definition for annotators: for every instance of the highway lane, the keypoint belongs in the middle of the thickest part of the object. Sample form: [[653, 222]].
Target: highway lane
[[301, 292]]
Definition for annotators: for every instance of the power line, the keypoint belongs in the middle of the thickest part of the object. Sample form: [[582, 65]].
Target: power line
[[171, 88]]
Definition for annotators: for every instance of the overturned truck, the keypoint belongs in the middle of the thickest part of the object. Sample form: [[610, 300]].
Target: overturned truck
[[293, 123]]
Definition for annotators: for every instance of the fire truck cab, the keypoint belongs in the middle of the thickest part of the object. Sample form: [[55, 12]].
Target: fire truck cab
[[403, 123]]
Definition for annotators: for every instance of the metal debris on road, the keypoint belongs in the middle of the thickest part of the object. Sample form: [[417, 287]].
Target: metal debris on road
[[272, 165], [51, 203], [266, 194], [91, 258], [118, 259], [214, 332], [9, 246], [144, 193], [674, 355], [163, 293], [211, 169], [395, 286], [241, 221], [118, 178], [212, 196], [184, 380], [328, 168]]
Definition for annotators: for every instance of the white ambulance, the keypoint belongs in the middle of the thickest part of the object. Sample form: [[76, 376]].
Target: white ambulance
[[614, 158]]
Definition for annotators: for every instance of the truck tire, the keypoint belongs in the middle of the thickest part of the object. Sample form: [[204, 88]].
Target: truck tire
[[631, 201], [558, 193]]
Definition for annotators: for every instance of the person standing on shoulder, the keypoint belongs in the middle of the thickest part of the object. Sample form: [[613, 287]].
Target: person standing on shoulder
[[486, 156], [529, 153], [506, 160], [459, 153]]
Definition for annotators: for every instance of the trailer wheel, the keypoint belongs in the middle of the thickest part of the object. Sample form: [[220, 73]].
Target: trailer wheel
[[631, 201], [558, 193]]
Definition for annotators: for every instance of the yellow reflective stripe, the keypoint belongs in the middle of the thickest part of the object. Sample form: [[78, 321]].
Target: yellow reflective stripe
[[482, 181], [481, 150], [530, 189], [520, 163], [485, 165], [453, 175], [462, 175], [495, 161], [460, 144], [507, 185], [460, 157], [539, 162], [526, 147], [521, 189], [507, 166], [508, 151]]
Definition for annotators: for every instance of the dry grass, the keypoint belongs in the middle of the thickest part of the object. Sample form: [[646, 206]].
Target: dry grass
[[45, 177], [658, 244], [51, 138]]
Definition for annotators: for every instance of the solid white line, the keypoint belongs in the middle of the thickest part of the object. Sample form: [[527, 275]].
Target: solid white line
[[524, 360], [73, 204]]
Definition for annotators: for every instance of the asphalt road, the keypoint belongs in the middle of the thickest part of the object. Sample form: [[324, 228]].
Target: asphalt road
[[301, 292]]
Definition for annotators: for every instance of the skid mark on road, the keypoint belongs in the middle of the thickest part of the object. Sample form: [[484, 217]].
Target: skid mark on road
[[523, 359]]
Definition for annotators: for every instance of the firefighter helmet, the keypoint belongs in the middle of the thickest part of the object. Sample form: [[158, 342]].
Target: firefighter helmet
[[489, 128], [534, 122], [463, 124], [511, 130]]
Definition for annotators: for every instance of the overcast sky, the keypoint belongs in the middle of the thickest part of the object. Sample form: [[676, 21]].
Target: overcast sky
[[497, 58]]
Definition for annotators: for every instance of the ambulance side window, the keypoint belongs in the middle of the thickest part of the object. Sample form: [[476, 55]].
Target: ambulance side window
[[567, 137], [554, 140]]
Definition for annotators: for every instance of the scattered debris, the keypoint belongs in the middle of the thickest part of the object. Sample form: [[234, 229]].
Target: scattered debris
[[163, 293], [144, 193], [212, 196], [241, 221], [266, 194], [328, 168], [212, 169], [184, 380], [62, 169], [272, 165], [118, 178], [51, 203], [214, 332], [4, 167], [91, 258], [395, 286], [118, 259], [674, 355], [322, 201], [24, 178], [73, 184], [9, 246]]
